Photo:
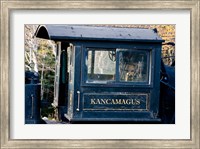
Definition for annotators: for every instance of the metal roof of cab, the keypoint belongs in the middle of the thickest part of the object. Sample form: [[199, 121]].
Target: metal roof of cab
[[105, 33]]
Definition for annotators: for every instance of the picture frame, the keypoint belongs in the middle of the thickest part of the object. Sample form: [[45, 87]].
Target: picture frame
[[6, 85]]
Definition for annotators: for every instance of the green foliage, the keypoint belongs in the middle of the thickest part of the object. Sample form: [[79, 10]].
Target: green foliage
[[46, 67], [48, 112]]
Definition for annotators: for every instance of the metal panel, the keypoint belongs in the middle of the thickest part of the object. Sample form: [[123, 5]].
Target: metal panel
[[85, 32], [32, 104], [116, 101], [57, 75]]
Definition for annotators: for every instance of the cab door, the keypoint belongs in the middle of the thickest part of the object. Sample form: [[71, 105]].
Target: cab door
[[57, 75], [73, 81]]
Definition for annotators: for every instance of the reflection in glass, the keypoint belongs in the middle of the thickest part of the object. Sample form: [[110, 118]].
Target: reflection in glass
[[133, 66], [101, 65]]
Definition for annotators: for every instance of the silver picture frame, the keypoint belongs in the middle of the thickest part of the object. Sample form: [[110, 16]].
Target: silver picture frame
[[192, 5]]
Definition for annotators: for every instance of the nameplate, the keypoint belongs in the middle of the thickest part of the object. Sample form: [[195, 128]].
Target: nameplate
[[115, 102]]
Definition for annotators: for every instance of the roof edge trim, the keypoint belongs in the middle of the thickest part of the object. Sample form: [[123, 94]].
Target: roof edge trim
[[42, 32]]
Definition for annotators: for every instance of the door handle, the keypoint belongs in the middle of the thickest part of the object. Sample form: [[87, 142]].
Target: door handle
[[32, 98], [78, 93]]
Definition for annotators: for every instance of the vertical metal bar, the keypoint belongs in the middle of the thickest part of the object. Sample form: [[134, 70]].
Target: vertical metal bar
[[57, 75], [117, 71], [92, 62], [32, 98], [78, 92]]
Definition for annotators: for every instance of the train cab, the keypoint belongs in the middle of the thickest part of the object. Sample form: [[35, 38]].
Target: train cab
[[105, 73]]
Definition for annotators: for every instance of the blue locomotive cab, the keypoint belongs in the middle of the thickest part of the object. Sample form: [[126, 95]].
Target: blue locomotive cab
[[106, 73]]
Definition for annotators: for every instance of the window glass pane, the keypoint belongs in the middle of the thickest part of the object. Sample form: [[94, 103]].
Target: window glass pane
[[133, 65], [101, 65]]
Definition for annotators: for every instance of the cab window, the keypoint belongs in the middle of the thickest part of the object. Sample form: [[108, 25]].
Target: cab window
[[117, 66], [101, 66], [133, 65]]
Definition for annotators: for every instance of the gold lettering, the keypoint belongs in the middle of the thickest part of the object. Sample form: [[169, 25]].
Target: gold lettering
[[98, 102], [115, 101], [128, 101], [108, 101], [103, 101], [123, 101], [118, 101], [137, 101], [92, 101]]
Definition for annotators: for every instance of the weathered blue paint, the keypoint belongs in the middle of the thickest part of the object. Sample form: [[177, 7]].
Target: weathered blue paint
[[32, 98], [76, 97], [84, 32]]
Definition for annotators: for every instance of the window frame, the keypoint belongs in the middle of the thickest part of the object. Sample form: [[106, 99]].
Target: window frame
[[86, 50], [117, 83], [148, 65]]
